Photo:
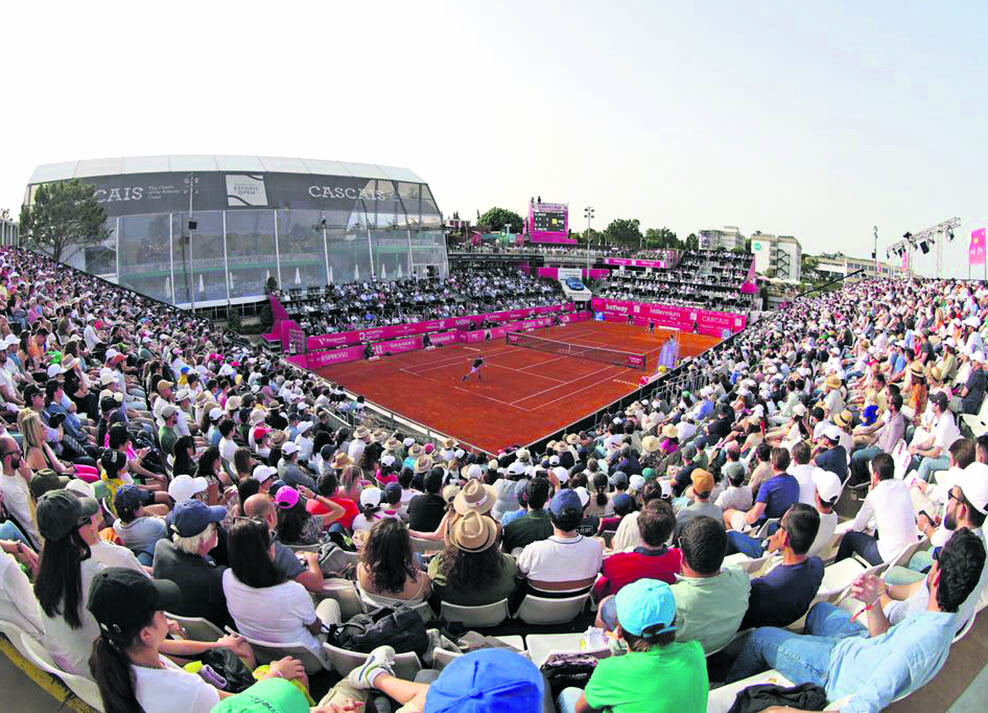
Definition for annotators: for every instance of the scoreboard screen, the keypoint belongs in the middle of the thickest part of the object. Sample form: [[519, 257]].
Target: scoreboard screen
[[549, 221]]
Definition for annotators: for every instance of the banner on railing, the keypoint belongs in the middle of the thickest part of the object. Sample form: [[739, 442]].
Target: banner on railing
[[634, 262], [684, 318]]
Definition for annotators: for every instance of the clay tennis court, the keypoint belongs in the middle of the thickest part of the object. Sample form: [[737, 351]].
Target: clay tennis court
[[525, 393]]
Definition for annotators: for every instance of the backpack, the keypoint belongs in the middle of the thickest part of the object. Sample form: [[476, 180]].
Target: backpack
[[399, 627]]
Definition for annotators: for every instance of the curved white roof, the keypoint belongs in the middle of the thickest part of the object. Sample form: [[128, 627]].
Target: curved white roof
[[180, 164]]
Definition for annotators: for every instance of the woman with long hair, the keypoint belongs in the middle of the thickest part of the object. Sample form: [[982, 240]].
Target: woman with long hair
[[265, 604], [65, 570], [387, 566], [296, 526], [472, 570], [243, 463], [38, 454], [185, 454], [127, 662]]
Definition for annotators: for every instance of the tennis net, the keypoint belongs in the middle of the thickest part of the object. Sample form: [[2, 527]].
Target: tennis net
[[631, 360]]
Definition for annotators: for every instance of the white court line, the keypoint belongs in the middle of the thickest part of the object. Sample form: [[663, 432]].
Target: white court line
[[563, 384], [574, 392], [522, 371], [491, 398]]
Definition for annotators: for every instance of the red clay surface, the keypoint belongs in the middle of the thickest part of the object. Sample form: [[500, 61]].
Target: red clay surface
[[525, 394]]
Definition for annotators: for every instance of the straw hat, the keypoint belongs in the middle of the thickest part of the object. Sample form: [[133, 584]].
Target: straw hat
[[572, 439], [472, 533], [448, 443], [650, 444], [475, 497], [415, 450], [392, 444], [844, 418], [361, 433], [423, 464], [278, 438], [917, 369], [523, 455], [340, 460], [669, 431], [833, 382], [934, 374], [450, 492]]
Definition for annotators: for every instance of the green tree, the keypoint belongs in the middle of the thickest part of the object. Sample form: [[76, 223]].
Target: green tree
[[496, 218], [63, 219], [661, 238], [624, 231], [692, 242]]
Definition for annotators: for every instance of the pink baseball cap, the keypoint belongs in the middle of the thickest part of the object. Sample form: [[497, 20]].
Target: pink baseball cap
[[287, 497]]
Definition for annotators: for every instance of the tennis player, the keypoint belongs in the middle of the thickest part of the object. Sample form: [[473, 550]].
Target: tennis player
[[478, 363]]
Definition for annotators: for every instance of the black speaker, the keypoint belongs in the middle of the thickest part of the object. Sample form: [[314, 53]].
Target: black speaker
[[924, 247]]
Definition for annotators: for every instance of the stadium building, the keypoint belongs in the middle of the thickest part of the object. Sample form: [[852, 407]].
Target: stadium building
[[304, 222]]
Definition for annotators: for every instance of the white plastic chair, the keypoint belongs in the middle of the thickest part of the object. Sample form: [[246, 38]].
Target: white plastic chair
[[197, 628], [83, 688], [346, 595], [543, 610], [376, 600], [477, 617], [268, 651], [343, 661]]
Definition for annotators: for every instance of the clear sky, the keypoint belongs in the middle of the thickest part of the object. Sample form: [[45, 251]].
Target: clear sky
[[818, 120]]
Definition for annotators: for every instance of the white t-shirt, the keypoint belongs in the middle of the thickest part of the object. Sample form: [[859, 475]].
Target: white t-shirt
[[804, 475], [891, 506], [828, 523], [278, 614], [561, 559], [17, 499], [159, 689], [71, 648], [227, 448], [17, 602]]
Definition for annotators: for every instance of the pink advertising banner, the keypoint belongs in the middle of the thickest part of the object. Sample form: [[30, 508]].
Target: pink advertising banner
[[634, 262], [326, 341], [553, 273], [545, 238], [976, 250], [707, 321]]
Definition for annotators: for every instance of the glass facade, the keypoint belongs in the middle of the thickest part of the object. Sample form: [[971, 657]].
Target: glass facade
[[301, 229]]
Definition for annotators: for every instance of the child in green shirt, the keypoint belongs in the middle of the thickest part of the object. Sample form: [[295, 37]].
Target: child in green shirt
[[658, 674]]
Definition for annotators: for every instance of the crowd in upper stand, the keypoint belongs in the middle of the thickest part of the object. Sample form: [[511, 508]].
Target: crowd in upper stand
[[152, 463], [467, 291]]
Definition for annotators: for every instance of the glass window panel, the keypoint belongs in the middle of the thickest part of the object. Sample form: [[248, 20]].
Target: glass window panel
[[199, 263], [390, 247], [303, 261], [349, 258], [145, 264], [250, 251]]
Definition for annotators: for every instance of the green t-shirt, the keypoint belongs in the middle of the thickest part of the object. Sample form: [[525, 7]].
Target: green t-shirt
[[710, 610], [670, 678], [486, 592], [268, 696]]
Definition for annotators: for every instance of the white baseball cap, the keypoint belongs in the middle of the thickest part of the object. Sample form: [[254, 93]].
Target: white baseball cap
[[583, 495], [827, 484], [216, 414], [832, 433], [289, 448], [636, 482], [263, 472], [185, 487], [973, 482], [370, 497]]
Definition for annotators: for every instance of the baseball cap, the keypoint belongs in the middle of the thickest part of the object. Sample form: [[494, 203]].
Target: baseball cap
[[832, 433], [263, 472], [168, 410], [620, 480], [190, 517], [827, 484], [486, 680], [702, 481], [128, 497], [45, 480], [973, 482], [289, 448], [734, 471], [120, 598], [371, 497], [260, 432], [215, 413], [623, 502], [646, 603], [185, 487], [392, 493], [564, 500], [636, 482], [583, 494], [286, 498], [59, 511]]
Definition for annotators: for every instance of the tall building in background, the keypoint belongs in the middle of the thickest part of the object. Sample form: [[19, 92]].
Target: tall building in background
[[727, 238], [303, 222], [777, 256]]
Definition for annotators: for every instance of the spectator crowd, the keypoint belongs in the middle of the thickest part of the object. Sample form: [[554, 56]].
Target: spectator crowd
[[815, 507]]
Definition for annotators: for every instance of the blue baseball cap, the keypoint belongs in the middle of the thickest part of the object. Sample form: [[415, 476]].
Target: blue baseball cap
[[645, 603], [128, 497], [484, 681], [190, 517], [619, 479], [564, 500]]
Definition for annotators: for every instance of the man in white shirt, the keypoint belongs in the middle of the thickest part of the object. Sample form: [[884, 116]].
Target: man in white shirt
[[14, 482], [802, 470], [826, 492], [932, 455], [890, 505], [566, 560]]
